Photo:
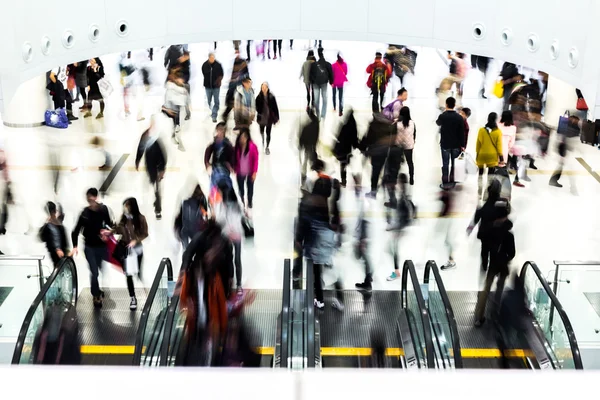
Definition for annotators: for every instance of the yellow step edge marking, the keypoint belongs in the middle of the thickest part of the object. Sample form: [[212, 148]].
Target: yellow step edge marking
[[397, 352], [96, 349]]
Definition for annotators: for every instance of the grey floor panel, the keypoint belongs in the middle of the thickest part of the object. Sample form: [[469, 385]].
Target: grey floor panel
[[463, 306], [113, 324], [363, 316], [593, 298], [261, 317], [4, 292]]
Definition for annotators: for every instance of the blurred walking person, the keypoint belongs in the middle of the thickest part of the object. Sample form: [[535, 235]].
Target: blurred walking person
[[95, 222], [305, 75], [219, 158], [192, 218], [152, 149], [406, 138], [488, 149], [379, 76], [321, 75], [54, 234], [244, 104], [307, 143], [239, 72], [133, 229], [376, 144], [452, 140], [267, 114], [347, 140], [484, 217], [502, 251], [176, 96], [246, 165], [212, 70], [405, 214], [340, 76]]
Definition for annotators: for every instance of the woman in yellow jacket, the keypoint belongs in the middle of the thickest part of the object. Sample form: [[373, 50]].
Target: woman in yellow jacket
[[489, 148]]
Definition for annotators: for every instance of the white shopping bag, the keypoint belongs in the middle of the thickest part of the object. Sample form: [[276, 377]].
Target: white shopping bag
[[132, 267], [472, 168], [105, 87], [460, 168]]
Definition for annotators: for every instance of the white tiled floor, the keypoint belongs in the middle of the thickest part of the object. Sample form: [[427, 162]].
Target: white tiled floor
[[549, 223]]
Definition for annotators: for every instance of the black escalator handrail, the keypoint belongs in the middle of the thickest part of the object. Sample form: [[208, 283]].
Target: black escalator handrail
[[559, 308], [66, 262], [164, 350], [285, 314], [409, 268], [165, 263], [432, 266], [310, 316]]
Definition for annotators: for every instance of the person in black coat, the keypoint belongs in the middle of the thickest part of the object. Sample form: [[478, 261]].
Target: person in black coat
[[156, 161], [54, 235], [212, 70], [452, 140], [376, 144], [321, 75], [347, 140], [267, 113], [307, 144], [484, 216], [95, 72]]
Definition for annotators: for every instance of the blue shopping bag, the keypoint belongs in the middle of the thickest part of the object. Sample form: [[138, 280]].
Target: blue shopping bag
[[56, 118]]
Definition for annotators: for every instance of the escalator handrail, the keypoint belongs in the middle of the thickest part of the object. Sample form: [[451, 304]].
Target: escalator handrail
[[285, 314], [409, 268], [165, 263], [66, 262], [164, 350], [310, 316], [559, 308], [432, 266]]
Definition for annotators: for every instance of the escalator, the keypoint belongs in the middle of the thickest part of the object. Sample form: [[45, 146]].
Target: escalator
[[548, 341], [112, 335], [381, 328], [269, 317]]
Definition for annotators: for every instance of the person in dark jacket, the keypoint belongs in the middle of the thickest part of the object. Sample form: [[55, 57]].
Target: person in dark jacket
[[212, 70], [376, 144], [172, 55], [54, 234], [452, 140], [510, 76], [219, 158], [321, 75], [481, 63], [95, 72], [267, 113], [185, 74], [308, 140], [347, 140], [305, 76], [81, 81], [502, 251], [484, 216], [239, 72], [151, 146], [95, 222], [192, 217]]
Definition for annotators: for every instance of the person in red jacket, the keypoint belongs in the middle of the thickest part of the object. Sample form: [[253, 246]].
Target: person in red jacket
[[379, 75]]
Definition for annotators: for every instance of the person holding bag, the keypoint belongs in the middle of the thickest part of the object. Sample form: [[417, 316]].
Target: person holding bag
[[488, 155], [133, 229], [267, 113], [340, 76]]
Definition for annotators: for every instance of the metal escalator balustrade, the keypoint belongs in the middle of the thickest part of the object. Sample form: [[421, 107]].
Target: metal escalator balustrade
[[60, 288], [154, 314], [416, 319], [443, 324], [561, 343]]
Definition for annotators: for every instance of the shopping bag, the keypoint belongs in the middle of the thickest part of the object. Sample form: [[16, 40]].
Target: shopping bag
[[498, 89], [132, 267], [472, 167], [111, 245], [563, 123], [56, 118], [588, 132], [105, 87], [460, 168], [581, 104]]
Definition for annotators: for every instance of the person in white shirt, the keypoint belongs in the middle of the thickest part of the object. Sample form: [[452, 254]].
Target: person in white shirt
[[58, 89]]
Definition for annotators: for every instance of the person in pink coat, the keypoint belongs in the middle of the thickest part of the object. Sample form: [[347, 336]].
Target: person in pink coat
[[246, 164], [340, 76]]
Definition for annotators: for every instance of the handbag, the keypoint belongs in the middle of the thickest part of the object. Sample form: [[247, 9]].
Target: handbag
[[132, 266], [460, 168], [581, 104], [120, 252], [105, 87], [56, 118], [498, 89]]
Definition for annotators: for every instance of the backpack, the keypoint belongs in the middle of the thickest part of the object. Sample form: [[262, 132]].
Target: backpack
[[192, 217], [321, 74], [407, 212], [379, 77], [388, 111]]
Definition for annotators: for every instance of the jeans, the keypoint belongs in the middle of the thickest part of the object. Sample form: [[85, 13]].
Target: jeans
[[262, 134], [448, 157], [340, 90], [240, 181], [320, 90], [378, 95], [237, 248], [210, 95], [94, 257]]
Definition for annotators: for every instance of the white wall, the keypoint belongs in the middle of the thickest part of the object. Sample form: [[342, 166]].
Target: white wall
[[436, 23]]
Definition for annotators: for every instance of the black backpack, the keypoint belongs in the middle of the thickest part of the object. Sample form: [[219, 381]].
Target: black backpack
[[192, 218], [321, 74], [379, 77]]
